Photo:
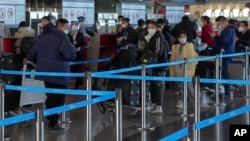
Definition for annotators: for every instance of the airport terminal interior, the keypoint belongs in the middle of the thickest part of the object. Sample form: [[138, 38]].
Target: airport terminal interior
[[106, 27]]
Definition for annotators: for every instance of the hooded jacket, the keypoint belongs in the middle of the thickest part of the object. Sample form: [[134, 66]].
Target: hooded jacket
[[226, 40], [23, 32], [51, 53], [186, 53], [206, 37]]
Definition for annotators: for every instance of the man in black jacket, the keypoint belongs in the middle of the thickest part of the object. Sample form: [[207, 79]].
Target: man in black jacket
[[166, 30], [128, 35], [155, 42], [185, 25], [243, 37]]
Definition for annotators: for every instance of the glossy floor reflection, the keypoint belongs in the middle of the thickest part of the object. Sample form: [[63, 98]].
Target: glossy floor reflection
[[103, 125]]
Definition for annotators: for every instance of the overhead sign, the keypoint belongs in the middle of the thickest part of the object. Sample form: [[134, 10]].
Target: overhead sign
[[75, 8], [134, 11], [12, 12], [174, 13]]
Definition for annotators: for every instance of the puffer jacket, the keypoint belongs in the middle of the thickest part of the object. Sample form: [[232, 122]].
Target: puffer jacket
[[23, 32]]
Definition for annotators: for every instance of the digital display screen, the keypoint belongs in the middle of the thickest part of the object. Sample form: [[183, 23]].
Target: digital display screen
[[134, 11]]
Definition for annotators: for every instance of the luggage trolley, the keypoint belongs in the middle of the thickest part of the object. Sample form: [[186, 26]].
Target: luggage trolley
[[30, 98]]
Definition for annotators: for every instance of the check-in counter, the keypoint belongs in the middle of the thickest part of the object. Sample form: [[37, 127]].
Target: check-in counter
[[7, 45], [101, 46]]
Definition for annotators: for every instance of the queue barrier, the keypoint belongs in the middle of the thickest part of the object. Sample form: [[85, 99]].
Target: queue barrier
[[108, 74]]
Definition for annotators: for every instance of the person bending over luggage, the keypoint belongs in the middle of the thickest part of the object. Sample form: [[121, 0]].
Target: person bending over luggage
[[180, 51], [155, 42], [76, 38], [51, 53], [24, 30]]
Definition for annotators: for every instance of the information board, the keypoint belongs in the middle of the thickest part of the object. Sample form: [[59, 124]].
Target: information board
[[12, 12], [174, 13], [75, 8], [134, 11]]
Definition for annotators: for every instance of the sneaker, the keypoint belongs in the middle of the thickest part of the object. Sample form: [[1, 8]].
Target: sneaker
[[179, 105], [157, 110], [56, 128], [6, 137], [152, 106]]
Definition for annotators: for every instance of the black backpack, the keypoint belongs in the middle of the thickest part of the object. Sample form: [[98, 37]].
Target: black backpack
[[26, 45]]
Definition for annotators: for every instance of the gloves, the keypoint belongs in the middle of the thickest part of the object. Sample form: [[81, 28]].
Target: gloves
[[78, 49]]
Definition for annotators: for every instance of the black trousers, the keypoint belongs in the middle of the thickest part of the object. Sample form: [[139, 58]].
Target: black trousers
[[157, 89], [78, 69], [54, 100]]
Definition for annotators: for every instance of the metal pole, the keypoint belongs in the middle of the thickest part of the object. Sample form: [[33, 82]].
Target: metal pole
[[39, 125], [217, 75], [118, 108], [185, 88], [63, 119], [247, 99], [88, 82], [143, 98], [196, 82], [246, 71], [2, 109]]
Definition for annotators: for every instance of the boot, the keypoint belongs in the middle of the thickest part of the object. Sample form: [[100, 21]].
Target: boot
[[157, 110], [152, 106]]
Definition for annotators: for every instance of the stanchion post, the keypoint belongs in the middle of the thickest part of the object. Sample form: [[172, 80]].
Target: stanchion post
[[196, 82], [185, 88], [2, 109], [118, 108], [63, 119], [246, 71], [143, 98], [39, 125], [217, 75], [89, 113]]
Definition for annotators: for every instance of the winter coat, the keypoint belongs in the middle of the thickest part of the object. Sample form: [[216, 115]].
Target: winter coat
[[51, 53], [158, 45], [205, 34], [20, 34], [226, 40], [187, 26], [243, 41], [79, 42], [186, 53]]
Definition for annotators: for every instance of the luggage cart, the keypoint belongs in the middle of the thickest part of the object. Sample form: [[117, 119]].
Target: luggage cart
[[30, 98]]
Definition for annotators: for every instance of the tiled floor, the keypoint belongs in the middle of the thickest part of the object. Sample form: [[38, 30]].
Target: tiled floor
[[103, 125]]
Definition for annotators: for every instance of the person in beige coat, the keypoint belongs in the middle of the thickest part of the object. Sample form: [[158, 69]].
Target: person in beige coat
[[23, 31], [180, 51]]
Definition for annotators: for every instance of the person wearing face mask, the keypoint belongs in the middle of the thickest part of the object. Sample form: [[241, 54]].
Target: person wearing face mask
[[207, 28], [225, 41], [52, 19], [243, 37], [81, 21], [51, 53], [119, 26], [76, 38], [155, 42], [128, 35], [180, 51]]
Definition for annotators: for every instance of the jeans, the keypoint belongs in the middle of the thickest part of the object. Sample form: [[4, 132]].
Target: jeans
[[54, 100], [225, 75], [157, 88]]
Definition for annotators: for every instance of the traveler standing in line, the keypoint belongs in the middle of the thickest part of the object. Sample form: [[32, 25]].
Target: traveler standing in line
[[226, 41], [185, 25], [76, 38], [155, 43], [243, 37], [81, 21], [24, 30], [207, 28], [180, 51], [51, 53], [166, 31]]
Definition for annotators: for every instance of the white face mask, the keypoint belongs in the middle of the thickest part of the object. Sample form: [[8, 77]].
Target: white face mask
[[66, 31], [120, 22], [151, 31], [74, 28], [241, 29], [182, 40], [144, 26], [124, 25]]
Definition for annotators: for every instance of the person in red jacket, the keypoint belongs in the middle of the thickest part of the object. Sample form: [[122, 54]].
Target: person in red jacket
[[207, 28]]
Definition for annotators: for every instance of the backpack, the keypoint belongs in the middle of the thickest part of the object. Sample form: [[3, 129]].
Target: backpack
[[26, 45]]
